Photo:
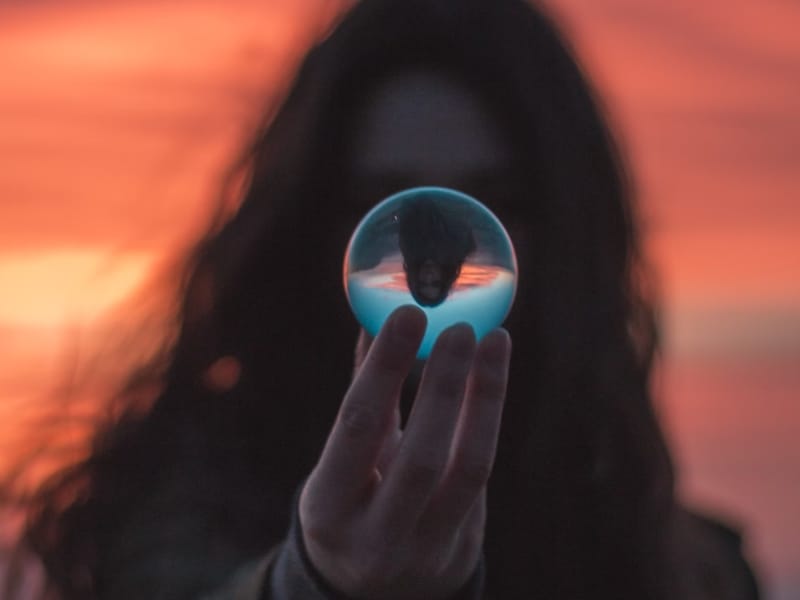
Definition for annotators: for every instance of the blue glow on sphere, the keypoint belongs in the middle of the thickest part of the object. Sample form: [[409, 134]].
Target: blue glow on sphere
[[438, 249]]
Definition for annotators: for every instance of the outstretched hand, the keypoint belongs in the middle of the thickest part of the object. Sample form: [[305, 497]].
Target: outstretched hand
[[398, 515]]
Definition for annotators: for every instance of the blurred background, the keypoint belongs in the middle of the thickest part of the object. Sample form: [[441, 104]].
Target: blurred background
[[118, 120]]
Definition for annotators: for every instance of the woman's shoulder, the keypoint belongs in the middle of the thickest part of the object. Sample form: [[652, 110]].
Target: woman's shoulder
[[711, 558]]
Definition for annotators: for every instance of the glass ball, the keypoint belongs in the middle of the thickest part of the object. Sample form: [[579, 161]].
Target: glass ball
[[438, 249]]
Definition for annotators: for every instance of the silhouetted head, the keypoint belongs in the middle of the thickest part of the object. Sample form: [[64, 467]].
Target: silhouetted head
[[434, 244]]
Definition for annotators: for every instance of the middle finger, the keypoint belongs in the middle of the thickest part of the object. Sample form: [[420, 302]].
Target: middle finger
[[425, 448]]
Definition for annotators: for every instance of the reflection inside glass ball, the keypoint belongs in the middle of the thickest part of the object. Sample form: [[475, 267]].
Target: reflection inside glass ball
[[437, 248]]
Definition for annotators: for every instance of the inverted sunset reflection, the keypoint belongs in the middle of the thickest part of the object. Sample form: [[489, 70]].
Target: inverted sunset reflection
[[472, 275], [481, 296]]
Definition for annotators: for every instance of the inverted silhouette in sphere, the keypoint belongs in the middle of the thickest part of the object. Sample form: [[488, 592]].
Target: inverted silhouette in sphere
[[434, 245]]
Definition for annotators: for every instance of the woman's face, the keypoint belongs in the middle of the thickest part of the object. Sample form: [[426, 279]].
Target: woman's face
[[423, 128]]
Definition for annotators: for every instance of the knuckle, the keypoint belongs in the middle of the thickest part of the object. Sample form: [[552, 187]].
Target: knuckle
[[358, 421], [450, 383], [421, 473], [319, 533], [318, 530]]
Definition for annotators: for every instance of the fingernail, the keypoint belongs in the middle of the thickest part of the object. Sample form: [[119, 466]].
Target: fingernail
[[498, 344], [460, 341], [408, 324]]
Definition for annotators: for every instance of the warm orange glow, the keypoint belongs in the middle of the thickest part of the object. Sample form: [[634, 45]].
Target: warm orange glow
[[118, 119], [471, 275], [476, 275], [50, 288]]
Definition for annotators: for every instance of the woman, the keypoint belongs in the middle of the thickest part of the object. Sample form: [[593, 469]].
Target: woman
[[199, 495]]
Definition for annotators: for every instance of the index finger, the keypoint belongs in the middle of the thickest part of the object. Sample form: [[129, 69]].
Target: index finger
[[365, 418]]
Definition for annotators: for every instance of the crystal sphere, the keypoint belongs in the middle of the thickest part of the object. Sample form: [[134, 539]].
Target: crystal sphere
[[438, 249]]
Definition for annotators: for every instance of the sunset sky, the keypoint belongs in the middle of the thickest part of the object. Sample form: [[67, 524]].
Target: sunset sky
[[117, 119]]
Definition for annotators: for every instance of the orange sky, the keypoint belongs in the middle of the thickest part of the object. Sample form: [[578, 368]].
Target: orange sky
[[117, 119]]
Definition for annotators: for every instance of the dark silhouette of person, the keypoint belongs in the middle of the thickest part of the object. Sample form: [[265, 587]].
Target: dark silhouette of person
[[544, 475], [434, 244]]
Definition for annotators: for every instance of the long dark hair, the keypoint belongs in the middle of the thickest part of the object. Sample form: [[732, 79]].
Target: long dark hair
[[581, 495]]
